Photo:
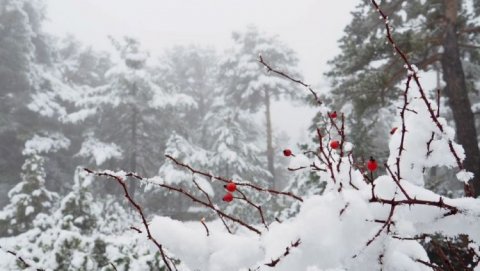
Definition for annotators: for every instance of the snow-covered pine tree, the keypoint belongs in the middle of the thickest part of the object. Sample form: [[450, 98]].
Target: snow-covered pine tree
[[175, 205], [129, 110], [234, 153], [76, 209], [247, 87], [234, 146], [83, 233], [23, 46], [193, 71], [28, 198], [437, 36]]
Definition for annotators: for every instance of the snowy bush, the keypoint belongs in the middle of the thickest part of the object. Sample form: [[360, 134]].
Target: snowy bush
[[363, 220]]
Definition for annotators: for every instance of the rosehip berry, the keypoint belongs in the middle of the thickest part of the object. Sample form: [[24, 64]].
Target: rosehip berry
[[228, 197], [333, 114], [231, 187], [287, 152], [394, 129], [372, 164], [334, 144]]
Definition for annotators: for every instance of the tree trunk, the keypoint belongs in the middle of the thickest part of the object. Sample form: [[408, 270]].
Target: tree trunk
[[133, 155], [270, 151], [456, 91]]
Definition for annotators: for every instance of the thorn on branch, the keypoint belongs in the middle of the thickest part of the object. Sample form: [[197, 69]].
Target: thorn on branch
[[274, 262]]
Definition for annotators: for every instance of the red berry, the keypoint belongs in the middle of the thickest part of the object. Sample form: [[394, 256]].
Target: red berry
[[372, 164], [228, 197], [334, 144], [231, 187], [287, 152], [394, 129], [333, 114]]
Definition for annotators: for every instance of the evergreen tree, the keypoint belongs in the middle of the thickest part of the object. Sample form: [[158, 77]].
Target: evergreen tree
[[84, 233], [76, 209], [174, 204], [233, 145], [129, 110], [367, 73], [27, 199], [246, 87], [22, 46], [193, 71]]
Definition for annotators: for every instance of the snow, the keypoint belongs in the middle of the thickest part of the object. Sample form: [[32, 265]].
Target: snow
[[29, 210], [99, 151], [45, 144], [219, 251], [464, 176]]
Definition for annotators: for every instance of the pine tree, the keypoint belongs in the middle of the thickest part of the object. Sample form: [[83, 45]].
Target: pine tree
[[233, 145], [28, 198], [192, 71], [246, 87], [76, 209], [173, 204], [129, 110], [367, 73], [22, 46]]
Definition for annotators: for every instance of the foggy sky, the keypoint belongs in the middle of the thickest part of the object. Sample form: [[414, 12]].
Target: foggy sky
[[310, 27]]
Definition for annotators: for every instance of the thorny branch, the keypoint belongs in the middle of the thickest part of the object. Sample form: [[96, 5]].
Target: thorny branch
[[274, 262], [122, 183], [225, 180], [270, 69], [184, 192], [412, 71], [216, 211]]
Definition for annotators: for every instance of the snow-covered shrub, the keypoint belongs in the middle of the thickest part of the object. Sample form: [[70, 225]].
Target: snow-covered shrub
[[365, 219]]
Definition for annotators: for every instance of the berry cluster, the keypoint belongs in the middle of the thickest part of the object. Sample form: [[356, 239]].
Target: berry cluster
[[231, 187], [371, 164]]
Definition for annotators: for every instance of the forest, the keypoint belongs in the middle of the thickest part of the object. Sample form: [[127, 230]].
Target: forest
[[125, 160]]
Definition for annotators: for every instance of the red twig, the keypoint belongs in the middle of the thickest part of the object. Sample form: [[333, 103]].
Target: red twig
[[187, 194], [211, 204], [226, 180], [258, 207]]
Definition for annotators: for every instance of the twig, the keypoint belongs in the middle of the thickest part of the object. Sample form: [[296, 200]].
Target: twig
[[205, 226], [270, 69], [225, 180], [139, 210], [274, 262], [113, 266]]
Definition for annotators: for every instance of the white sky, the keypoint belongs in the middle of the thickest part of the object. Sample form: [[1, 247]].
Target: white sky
[[310, 27]]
